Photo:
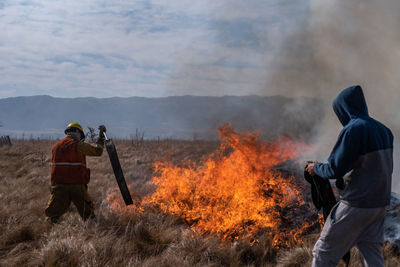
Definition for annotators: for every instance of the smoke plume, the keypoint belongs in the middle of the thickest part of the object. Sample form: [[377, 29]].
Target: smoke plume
[[312, 48], [344, 43]]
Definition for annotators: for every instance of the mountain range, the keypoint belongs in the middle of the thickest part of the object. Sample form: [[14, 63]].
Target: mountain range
[[177, 117]]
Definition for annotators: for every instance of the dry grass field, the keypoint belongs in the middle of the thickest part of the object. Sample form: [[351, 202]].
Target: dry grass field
[[117, 238]]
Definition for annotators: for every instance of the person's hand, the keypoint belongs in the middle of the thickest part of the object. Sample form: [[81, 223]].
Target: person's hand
[[310, 168], [102, 130]]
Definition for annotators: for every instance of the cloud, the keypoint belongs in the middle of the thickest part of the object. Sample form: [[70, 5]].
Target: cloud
[[146, 48]]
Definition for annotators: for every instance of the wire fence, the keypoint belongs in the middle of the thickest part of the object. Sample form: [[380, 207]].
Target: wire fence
[[5, 141]]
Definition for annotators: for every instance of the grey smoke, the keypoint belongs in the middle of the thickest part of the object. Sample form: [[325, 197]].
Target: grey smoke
[[344, 43], [333, 45]]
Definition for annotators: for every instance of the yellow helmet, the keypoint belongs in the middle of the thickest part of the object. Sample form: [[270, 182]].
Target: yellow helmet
[[73, 126]]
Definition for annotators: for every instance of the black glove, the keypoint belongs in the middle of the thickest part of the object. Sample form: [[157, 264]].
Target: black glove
[[101, 138], [102, 130]]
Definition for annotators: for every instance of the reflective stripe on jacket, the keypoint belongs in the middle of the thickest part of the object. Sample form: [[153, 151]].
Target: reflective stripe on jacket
[[68, 165]]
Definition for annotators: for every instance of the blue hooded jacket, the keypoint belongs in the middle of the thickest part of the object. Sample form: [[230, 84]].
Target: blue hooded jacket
[[362, 155]]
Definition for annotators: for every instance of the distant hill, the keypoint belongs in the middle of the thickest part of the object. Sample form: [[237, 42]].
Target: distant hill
[[184, 117]]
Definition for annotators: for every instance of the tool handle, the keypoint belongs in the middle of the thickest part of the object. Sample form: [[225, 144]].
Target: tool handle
[[105, 136]]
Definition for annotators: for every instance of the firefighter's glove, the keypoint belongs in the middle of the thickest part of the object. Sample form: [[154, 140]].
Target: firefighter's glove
[[102, 130]]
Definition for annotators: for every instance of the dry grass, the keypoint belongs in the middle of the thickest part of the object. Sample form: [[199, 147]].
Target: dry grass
[[118, 239]]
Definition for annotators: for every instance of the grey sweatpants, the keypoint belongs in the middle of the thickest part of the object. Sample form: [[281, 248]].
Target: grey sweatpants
[[346, 227]]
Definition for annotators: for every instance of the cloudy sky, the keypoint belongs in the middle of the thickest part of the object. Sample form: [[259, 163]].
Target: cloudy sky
[[142, 47]]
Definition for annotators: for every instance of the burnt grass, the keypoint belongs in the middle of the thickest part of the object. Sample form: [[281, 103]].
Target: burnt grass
[[150, 238]]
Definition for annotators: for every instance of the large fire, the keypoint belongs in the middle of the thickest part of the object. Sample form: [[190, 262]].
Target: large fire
[[235, 192]]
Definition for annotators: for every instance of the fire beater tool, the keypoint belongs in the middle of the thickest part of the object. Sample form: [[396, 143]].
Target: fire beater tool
[[119, 175], [323, 197]]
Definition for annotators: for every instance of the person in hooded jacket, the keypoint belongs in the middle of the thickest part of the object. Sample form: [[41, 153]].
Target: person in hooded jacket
[[362, 164], [69, 174]]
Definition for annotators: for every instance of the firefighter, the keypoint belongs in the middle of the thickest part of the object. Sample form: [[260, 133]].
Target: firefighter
[[69, 174], [362, 164]]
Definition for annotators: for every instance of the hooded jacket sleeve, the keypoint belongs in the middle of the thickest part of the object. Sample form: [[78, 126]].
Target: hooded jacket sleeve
[[344, 154]]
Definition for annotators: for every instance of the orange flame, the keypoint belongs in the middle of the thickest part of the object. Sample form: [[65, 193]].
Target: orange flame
[[235, 192]]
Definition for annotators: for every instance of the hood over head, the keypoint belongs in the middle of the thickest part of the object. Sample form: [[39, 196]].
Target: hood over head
[[350, 103]]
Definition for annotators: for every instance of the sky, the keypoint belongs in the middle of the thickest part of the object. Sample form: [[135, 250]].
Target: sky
[[158, 48], [150, 48]]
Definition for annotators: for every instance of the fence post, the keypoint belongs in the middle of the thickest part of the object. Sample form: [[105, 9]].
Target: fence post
[[9, 140], [5, 140]]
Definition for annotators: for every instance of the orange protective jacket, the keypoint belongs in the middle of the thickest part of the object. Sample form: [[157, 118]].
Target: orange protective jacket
[[68, 165]]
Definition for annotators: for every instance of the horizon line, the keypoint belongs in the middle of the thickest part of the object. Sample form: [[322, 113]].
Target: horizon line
[[152, 97]]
